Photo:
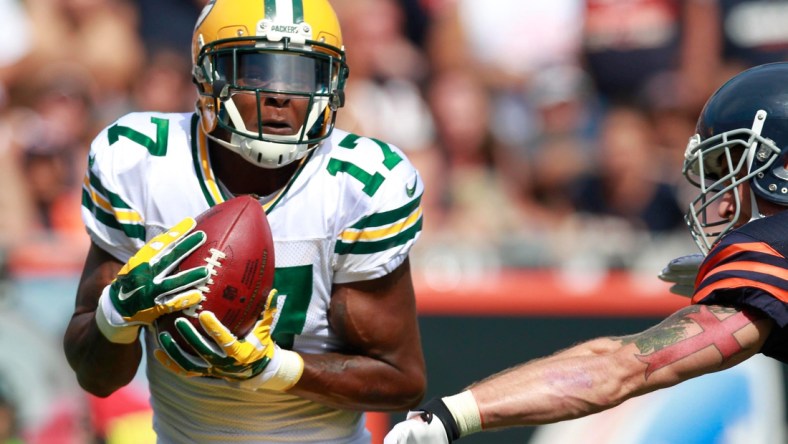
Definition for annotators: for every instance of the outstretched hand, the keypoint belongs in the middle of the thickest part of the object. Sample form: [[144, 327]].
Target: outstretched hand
[[681, 272], [416, 430]]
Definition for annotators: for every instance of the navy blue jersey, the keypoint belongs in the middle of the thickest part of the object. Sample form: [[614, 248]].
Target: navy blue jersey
[[748, 269]]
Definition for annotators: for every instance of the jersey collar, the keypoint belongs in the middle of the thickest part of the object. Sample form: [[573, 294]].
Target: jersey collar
[[213, 192]]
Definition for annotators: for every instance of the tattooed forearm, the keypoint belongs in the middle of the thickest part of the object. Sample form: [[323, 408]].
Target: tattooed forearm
[[670, 341]]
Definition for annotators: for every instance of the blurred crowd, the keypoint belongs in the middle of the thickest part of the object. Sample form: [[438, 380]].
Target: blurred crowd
[[549, 133]]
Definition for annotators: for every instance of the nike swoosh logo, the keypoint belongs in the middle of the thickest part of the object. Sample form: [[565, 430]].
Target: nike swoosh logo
[[122, 295], [410, 191]]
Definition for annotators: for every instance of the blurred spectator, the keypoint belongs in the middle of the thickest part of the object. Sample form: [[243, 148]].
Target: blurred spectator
[[627, 183], [506, 42], [418, 20], [165, 83], [98, 35], [47, 171], [628, 42], [542, 169], [16, 211], [472, 190], [15, 33], [383, 96], [51, 136], [664, 101], [167, 25], [724, 37]]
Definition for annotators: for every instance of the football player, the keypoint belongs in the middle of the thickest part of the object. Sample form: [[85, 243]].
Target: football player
[[738, 160], [340, 335]]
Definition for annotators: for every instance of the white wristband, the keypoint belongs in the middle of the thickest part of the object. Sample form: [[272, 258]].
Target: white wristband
[[105, 312], [465, 411], [282, 373], [287, 374]]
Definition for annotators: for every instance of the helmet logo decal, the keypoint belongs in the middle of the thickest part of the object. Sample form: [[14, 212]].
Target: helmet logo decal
[[285, 11]]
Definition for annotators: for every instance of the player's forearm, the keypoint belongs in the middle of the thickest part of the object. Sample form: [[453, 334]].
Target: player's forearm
[[576, 382], [101, 367], [360, 383]]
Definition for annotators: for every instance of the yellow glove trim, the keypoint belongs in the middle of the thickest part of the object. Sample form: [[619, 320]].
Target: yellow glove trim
[[159, 243], [177, 303], [165, 360], [254, 347]]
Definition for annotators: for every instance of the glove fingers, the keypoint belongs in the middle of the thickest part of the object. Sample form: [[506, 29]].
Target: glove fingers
[[168, 305], [197, 341], [159, 244], [221, 334], [261, 332], [177, 358], [184, 279], [179, 301], [176, 253], [677, 277], [165, 360], [243, 352], [413, 431], [687, 262], [270, 308], [683, 290]]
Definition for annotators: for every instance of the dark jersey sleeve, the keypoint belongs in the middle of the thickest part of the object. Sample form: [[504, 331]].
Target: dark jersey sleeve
[[748, 269]]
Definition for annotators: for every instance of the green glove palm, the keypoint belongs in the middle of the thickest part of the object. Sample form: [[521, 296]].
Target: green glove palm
[[145, 287], [252, 362], [226, 356]]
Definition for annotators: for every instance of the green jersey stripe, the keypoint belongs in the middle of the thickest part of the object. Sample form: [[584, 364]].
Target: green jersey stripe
[[132, 230], [112, 198], [381, 245], [109, 202], [104, 217], [388, 217]]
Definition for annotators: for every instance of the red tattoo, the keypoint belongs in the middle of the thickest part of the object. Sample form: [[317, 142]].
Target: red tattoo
[[716, 332]]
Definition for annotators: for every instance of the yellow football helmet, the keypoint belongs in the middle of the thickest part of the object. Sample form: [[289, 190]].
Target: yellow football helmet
[[266, 48]]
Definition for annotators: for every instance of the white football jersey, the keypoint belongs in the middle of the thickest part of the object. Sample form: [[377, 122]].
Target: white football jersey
[[350, 213]]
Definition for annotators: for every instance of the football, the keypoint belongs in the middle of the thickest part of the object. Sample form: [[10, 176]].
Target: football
[[239, 254]]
